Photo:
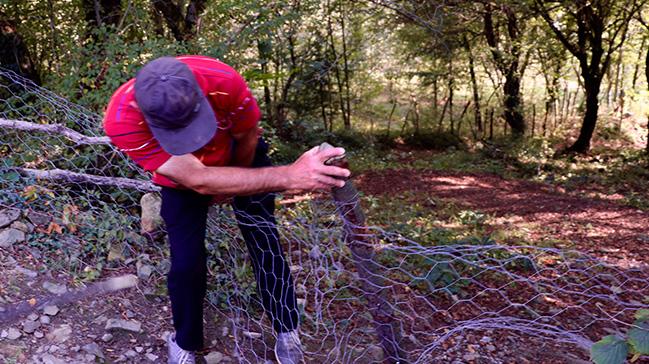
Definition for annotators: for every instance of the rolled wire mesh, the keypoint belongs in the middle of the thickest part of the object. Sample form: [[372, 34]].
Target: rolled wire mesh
[[435, 296]]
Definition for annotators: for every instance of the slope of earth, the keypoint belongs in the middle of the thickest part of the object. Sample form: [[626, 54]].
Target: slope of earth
[[546, 213]]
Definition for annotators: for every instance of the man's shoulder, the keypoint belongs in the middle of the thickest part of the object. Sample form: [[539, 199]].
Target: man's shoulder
[[122, 113]]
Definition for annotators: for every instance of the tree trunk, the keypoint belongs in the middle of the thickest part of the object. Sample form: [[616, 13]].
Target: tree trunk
[[101, 12], [54, 38], [450, 95], [474, 86], [263, 47], [435, 96], [582, 144], [513, 103], [182, 24], [508, 64], [347, 113], [646, 69], [636, 68], [14, 53]]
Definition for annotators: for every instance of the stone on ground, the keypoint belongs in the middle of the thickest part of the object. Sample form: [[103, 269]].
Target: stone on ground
[[50, 310], [13, 333], [60, 334], [9, 237], [93, 349], [8, 216], [55, 288], [214, 357], [125, 325], [31, 326], [151, 219]]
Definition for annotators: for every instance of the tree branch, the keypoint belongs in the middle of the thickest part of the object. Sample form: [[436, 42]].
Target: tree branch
[[562, 38], [74, 136], [73, 177]]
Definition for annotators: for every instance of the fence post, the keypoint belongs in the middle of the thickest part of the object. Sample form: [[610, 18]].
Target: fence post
[[371, 279]]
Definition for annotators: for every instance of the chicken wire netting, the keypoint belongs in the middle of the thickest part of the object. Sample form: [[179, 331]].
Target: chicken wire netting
[[364, 294]]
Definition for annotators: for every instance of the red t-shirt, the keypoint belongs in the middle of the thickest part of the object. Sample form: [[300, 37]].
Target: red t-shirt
[[233, 104]]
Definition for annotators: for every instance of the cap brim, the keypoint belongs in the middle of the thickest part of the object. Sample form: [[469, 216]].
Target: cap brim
[[191, 138]]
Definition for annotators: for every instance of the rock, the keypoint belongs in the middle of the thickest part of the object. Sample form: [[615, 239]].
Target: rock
[[125, 325], [225, 330], [55, 288], [24, 227], [144, 270], [7, 216], [93, 349], [163, 266], [375, 353], [27, 272], [251, 335], [32, 317], [31, 326], [295, 268], [315, 253], [4, 334], [13, 333], [51, 359], [301, 303], [39, 334], [38, 218], [45, 320], [485, 339], [9, 237], [300, 289], [151, 357], [60, 334], [151, 220], [490, 348], [50, 310], [107, 337], [214, 358], [470, 357], [165, 335], [130, 354], [139, 349]]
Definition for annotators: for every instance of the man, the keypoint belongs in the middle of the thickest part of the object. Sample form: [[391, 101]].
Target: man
[[192, 122]]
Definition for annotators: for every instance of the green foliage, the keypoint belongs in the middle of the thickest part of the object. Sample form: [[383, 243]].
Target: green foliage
[[615, 349], [610, 350], [96, 69], [432, 140], [639, 337]]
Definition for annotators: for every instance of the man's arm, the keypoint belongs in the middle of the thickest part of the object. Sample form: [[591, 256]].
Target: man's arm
[[244, 152], [308, 173]]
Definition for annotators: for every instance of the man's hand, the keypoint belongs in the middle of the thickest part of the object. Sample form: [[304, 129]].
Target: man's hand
[[310, 173]]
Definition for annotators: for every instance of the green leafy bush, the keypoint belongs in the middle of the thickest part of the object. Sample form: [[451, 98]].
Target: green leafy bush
[[615, 349]]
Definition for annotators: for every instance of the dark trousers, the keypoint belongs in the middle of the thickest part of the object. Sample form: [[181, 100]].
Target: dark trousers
[[185, 216]]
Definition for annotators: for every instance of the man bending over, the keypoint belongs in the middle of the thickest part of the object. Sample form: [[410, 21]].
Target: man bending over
[[192, 122]]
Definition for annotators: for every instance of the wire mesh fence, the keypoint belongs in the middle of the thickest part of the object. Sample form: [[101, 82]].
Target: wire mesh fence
[[364, 294]]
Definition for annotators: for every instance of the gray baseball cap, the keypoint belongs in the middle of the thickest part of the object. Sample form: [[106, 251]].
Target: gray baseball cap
[[174, 106]]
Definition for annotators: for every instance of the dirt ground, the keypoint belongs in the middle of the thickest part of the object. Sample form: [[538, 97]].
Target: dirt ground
[[79, 333], [546, 213]]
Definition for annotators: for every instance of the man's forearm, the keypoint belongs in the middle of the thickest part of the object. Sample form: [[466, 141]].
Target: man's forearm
[[307, 173], [241, 181]]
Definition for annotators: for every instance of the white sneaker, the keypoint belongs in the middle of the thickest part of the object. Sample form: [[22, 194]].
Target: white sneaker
[[177, 355], [288, 348]]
